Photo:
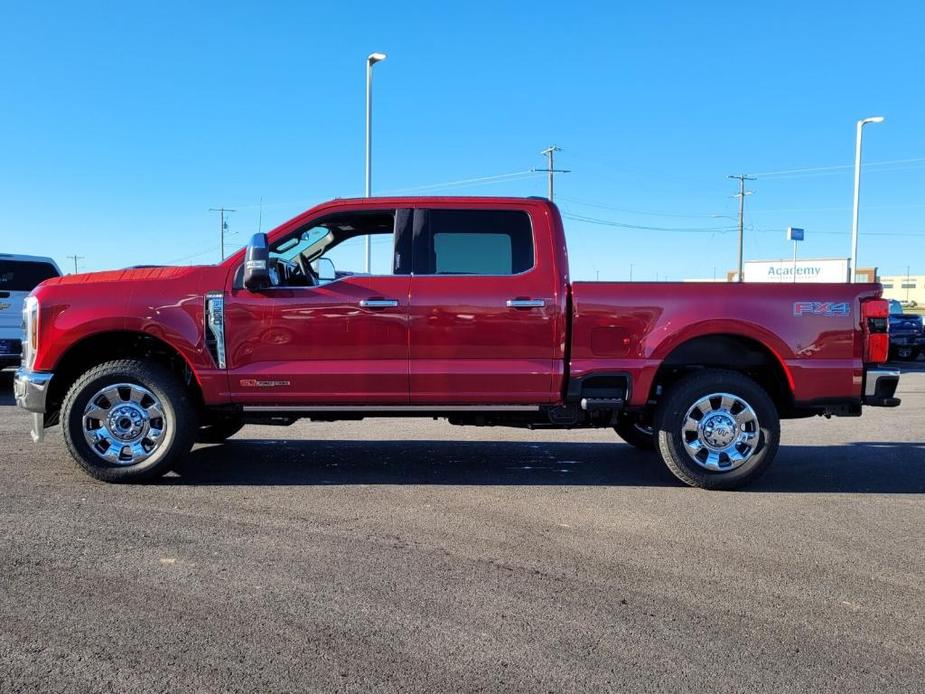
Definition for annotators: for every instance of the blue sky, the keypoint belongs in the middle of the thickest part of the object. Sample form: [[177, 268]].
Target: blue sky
[[122, 123]]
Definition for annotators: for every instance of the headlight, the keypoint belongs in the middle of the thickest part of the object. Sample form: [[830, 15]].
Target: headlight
[[30, 331]]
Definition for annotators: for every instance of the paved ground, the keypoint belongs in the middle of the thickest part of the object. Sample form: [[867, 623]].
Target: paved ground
[[400, 555]]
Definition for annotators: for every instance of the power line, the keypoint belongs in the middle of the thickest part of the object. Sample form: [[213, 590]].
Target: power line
[[652, 213], [639, 227], [481, 180], [837, 167]]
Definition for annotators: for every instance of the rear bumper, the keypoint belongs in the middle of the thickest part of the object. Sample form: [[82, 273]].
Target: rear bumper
[[31, 391], [909, 340], [880, 387], [10, 352]]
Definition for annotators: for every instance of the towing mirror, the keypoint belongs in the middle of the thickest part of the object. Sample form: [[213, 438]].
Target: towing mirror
[[257, 263], [325, 269]]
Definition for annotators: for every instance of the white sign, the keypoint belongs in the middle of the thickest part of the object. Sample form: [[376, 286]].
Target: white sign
[[821, 270]]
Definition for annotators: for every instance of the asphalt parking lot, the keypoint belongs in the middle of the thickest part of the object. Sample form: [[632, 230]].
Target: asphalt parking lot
[[410, 555]]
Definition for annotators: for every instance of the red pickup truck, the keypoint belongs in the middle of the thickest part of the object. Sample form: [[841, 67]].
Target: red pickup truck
[[473, 318]]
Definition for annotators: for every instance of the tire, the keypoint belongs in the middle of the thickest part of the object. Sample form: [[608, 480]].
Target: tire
[[905, 353], [751, 433], [152, 429], [218, 430], [635, 433]]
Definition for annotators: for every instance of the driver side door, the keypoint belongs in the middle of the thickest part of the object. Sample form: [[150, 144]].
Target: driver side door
[[341, 343]]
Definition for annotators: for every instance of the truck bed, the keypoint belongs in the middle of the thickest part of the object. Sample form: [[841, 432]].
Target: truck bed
[[811, 329]]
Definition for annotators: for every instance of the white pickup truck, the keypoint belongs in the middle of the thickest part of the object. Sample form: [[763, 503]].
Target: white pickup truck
[[19, 275]]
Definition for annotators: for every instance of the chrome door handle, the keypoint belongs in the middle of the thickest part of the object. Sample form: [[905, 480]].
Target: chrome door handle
[[379, 303], [526, 303]]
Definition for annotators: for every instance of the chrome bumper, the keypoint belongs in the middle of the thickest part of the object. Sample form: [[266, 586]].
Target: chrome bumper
[[880, 387], [31, 390]]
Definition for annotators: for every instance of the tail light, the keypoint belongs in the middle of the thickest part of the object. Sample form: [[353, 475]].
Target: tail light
[[875, 317]]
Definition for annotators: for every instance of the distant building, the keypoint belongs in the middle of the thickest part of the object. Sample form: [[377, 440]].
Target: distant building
[[905, 288], [803, 270]]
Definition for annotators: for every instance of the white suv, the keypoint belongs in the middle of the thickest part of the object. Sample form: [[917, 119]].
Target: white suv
[[19, 275]]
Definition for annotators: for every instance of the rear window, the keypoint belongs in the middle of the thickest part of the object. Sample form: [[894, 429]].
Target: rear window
[[480, 242], [24, 275]]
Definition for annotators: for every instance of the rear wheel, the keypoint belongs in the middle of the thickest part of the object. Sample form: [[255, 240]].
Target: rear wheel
[[128, 421], [717, 430]]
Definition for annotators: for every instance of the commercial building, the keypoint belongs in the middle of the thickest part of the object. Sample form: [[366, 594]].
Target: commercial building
[[787, 270], [905, 288]]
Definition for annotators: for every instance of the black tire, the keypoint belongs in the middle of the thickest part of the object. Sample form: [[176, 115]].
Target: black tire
[[635, 433], [179, 421], [217, 430], [905, 353], [672, 414]]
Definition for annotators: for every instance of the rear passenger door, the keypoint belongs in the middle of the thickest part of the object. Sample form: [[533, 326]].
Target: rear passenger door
[[483, 310]]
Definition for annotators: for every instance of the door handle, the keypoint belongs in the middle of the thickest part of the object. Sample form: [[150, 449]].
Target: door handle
[[379, 303], [526, 303]]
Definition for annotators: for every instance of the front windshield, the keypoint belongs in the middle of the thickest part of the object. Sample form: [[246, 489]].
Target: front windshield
[[303, 244], [896, 308]]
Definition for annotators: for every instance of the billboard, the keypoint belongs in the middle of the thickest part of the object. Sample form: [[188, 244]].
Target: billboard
[[817, 270]]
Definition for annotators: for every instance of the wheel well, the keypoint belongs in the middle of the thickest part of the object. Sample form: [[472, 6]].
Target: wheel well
[[733, 352], [103, 347]]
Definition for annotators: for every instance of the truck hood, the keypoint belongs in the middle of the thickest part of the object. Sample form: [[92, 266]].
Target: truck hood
[[126, 275]]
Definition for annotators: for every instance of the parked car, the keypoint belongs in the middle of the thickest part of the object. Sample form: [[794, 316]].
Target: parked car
[[476, 320], [19, 275], [907, 334]]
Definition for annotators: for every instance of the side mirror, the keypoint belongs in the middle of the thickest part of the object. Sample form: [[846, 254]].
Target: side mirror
[[325, 269], [257, 263]]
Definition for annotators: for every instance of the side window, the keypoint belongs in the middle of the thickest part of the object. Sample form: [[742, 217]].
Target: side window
[[349, 256], [478, 242], [334, 247]]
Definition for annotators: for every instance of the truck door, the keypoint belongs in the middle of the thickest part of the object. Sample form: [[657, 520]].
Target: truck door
[[484, 309], [340, 341]]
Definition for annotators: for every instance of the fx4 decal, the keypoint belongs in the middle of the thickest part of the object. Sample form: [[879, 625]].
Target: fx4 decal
[[821, 308]]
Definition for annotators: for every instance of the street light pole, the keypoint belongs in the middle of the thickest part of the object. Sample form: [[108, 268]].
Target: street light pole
[[371, 60], [853, 270]]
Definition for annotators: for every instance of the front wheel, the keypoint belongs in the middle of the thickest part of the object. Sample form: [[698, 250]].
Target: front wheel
[[717, 430], [128, 421]]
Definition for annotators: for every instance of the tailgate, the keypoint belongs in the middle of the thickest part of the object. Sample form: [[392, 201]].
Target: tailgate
[[11, 303]]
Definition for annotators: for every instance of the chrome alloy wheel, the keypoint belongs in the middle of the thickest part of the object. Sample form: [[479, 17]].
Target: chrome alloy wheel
[[720, 432], [124, 423]]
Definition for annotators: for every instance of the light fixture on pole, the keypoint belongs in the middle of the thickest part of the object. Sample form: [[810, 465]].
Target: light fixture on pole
[[371, 60], [853, 270]]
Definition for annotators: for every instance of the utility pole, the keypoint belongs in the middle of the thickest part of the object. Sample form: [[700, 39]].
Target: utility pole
[[75, 258], [550, 169], [222, 225], [741, 196]]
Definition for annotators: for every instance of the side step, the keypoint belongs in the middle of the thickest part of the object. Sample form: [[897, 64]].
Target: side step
[[590, 404]]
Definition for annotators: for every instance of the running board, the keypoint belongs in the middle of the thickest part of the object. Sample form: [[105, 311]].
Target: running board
[[390, 408]]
